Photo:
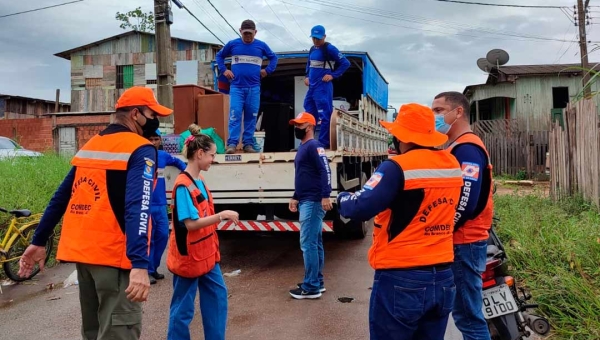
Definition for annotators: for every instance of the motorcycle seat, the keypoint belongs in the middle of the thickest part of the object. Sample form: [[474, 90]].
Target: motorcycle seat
[[493, 250]]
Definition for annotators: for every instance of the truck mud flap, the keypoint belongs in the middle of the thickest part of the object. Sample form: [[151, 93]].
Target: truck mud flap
[[293, 226]]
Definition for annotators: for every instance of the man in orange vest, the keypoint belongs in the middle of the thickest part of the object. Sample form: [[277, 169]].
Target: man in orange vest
[[105, 200], [474, 212], [413, 198]]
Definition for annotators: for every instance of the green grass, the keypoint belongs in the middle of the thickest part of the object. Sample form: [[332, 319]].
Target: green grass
[[29, 184], [554, 250]]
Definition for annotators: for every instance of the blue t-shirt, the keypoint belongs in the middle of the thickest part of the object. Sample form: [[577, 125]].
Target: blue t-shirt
[[313, 174], [185, 206], [472, 160], [246, 61], [317, 68]]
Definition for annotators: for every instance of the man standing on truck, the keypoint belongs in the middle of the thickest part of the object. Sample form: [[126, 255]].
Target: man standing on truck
[[105, 199], [413, 196], [158, 207], [312, 188], [474, 213], [325, 63], [244, 93]]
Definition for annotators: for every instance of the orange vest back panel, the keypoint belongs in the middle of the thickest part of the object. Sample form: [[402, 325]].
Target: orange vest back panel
[[194, 253], [91, 232], [416, 230], [477, 228]]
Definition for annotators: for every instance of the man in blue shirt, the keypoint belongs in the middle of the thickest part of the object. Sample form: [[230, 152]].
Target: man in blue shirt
[[246, 72], [325, 63], [158, 208], [312, 188], [473, 216]]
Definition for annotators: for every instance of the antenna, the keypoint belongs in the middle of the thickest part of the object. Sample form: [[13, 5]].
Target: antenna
[[497, 57], [484, 65]]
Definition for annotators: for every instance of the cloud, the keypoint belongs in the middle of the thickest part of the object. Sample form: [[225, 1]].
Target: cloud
[[422, 47]]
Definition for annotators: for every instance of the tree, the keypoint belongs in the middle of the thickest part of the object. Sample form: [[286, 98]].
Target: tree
[[145, 21]]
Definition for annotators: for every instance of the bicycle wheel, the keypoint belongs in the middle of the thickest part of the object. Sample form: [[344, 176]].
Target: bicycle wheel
[[11, 268]]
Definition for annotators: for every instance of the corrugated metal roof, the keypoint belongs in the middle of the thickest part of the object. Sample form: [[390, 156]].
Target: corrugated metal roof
[[543, 69], [8, 96], [67, 54]]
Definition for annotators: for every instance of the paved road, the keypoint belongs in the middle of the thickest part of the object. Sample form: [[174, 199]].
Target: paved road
[[259, 304]]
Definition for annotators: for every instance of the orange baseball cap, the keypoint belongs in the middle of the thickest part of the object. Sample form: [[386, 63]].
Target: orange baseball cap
[[304, 117], [142, 96], [415, 123]]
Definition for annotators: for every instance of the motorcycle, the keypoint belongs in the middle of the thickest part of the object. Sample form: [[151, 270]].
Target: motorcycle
[[505, 310]]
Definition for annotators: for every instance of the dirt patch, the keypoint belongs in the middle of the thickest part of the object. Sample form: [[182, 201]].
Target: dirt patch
[[538, 188]]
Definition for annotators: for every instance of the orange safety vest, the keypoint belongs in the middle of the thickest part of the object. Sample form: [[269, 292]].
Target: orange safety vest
[[476, 229], [92, 232], [193, 253], [416, 230]]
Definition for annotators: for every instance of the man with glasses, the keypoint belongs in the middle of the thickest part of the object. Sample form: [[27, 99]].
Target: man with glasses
[[244, 93]]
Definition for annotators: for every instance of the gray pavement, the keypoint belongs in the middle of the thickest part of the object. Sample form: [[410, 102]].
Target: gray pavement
[[259, 304]]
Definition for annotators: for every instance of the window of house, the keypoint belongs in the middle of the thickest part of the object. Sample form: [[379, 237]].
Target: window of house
[[560, 97], [150, 81], [124, 76]]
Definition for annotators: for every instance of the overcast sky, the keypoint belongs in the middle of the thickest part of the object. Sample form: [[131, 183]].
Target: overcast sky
[[422, 47]]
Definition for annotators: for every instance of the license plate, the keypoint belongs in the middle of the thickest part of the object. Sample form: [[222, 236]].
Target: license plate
[[498, 301]]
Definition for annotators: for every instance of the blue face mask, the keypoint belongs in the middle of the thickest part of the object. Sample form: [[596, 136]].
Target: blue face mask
[[440, 123]]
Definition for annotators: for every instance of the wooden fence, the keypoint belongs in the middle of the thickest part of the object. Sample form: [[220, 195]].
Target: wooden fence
[[514, 151], [574, 158]]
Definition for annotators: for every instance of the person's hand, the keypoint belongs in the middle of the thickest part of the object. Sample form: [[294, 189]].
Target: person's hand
[[32, 255], [263, 73], [230, 215], [139, 285], [327, 78], [228, 74], [306, 81], [326, 204], [293, 205]]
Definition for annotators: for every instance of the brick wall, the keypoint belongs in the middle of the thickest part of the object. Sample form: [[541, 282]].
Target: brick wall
[[33, 134], [37, 133]]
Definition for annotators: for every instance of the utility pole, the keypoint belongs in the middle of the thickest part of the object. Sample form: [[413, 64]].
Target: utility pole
[[163, 18], [583, 51]]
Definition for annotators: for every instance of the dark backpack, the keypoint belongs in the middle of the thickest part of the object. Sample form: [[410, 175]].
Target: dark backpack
[[326, 54]]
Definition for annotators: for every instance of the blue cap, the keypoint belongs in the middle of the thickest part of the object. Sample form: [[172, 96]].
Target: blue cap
[[317, 32], [158, 132]]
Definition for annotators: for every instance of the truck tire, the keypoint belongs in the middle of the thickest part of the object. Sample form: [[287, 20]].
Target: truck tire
[[350, 230]]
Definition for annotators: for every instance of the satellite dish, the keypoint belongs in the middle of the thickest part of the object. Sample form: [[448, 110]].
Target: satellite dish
[[497, 57], [484, 65]]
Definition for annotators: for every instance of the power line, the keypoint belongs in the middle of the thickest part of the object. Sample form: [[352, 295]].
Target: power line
[[266, 30], [496, 5], [293, 17], [201, 23], [284, 25], [39, 9], [197, 3], [418, 20], [213, 6]]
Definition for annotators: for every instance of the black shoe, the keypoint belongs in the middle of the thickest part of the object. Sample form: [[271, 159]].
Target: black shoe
[[300, 294], [157, 275], [152, 279], [322, 289]]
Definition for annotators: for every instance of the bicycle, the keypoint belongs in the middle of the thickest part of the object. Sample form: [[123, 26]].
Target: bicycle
[[18, 237]]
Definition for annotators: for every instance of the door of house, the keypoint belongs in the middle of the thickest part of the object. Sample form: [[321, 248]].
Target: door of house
[[67, 141]]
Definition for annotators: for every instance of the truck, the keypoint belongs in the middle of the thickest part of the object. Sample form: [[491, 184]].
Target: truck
[[260, 185]]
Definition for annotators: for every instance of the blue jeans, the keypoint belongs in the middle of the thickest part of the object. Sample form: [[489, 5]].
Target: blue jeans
[[160, 236], [213, 305], [411, 304], [469, 264], [311, 243], [246, 100], [319, 103]]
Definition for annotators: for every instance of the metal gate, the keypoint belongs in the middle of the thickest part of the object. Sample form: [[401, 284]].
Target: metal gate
[[67, 141]]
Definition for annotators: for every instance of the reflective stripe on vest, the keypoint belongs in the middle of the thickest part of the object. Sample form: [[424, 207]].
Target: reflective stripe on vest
[[425, 237], [477, 228], [91, 232], [322, 64], [193, 253], [246, 59]]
